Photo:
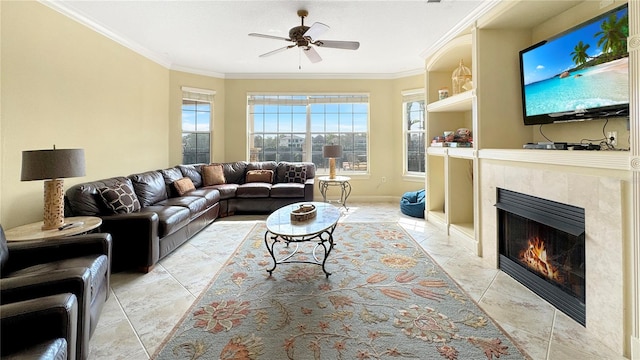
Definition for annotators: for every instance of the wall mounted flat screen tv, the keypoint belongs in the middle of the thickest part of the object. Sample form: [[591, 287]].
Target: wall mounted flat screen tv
[[581, 74]]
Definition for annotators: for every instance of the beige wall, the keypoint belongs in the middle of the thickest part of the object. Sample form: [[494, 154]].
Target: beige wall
[[385, 126], [178, 80], [65, 84]]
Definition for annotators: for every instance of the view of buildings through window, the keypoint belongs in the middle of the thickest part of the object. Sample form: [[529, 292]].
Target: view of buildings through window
[[196, 127], [413, 115], [296, 127]]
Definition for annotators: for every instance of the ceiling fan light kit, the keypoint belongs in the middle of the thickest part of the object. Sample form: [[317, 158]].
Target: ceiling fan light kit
[[304, 37]]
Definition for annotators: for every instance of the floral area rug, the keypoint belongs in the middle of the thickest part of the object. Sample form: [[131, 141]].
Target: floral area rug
[[386, 299]]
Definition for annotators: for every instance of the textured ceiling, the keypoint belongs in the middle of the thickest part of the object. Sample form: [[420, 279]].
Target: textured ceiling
[[211, 37]]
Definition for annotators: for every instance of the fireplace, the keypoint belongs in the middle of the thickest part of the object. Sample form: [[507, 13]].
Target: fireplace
[[542, 245]]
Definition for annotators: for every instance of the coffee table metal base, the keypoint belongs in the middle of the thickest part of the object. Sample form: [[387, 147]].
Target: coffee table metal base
[[323, 238]]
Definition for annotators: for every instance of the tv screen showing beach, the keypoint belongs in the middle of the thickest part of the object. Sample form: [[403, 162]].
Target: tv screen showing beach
[[583, 69]]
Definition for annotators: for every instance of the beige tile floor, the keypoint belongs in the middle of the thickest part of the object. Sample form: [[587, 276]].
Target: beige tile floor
[[143, 308]]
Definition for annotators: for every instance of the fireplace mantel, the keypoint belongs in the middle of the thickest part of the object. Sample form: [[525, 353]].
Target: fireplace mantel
[[609, 160]]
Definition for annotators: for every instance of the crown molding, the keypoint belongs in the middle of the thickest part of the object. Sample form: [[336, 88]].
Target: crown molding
[[77, 16], [82, 19], [463, 24]]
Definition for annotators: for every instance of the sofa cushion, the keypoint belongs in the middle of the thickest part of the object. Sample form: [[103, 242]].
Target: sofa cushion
[[170, 175], [193, 173], [211, 195], [265, 176], [296, 174], [253, 190], [183, 186], [120, 198], [195, 204], [212, 175], [262, 165], [287, 190], [150, 187], [227, 191], [234, 172], [84, 199], [170, 218], [281, 171]]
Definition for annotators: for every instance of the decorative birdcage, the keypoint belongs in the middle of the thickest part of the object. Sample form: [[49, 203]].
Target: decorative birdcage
[[460, 77]]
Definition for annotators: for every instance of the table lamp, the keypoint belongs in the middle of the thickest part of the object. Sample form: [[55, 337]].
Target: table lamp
[[52, 166], [332, 152]]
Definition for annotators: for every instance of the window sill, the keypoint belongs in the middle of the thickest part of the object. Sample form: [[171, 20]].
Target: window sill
[[413, 178]]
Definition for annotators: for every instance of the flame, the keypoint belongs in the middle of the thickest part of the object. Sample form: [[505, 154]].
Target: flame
[[535, 257]]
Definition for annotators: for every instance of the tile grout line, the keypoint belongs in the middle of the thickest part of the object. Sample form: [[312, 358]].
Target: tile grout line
[[553, 325], [484, 292], [126, 317]]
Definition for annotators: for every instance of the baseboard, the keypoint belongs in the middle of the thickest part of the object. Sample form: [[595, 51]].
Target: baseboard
[[371, 199], [635, 348]]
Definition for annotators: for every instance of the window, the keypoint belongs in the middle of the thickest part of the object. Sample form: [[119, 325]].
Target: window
[[196, 125], [296, 127], [414, 132]]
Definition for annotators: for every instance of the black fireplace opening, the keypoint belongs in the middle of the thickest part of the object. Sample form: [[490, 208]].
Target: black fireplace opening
[[542, 245]]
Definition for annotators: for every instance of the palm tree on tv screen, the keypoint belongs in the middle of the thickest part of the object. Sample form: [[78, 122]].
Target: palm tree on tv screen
[[613, 35], [580, 53]]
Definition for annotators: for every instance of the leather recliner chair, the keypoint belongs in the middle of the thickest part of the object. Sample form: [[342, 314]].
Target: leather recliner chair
[[42, 328], [80, 265]]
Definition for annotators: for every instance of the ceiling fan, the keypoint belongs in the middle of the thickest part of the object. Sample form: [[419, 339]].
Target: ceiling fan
[[304, 36]]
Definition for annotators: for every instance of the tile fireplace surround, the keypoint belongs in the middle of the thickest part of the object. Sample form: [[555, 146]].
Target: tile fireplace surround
[[601, 197]]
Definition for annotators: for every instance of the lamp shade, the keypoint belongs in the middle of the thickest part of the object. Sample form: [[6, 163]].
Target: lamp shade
[[52, 164], [332, 151]]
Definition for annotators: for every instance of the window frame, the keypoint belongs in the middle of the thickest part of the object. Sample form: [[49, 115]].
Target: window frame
[[198, 96], [309, 149], [415, 95]]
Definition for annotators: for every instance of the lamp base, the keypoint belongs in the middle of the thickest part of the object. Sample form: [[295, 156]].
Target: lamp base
[[332, 168], [53, 204]]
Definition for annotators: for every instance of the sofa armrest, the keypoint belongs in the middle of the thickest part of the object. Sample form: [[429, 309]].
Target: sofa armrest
[[135, 239], [308, 189], [72, 280], [26, 324], [29, 253], [76, 281]]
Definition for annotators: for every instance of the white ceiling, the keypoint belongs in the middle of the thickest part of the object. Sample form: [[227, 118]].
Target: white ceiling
[[211, 37]]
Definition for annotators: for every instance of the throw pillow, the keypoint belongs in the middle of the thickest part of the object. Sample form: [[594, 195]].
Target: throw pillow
[[121, 198], [213, 175], [296, 174], [265, 176], [183, 186]]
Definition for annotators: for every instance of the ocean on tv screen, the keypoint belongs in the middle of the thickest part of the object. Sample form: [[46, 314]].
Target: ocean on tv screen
[[596, 86]]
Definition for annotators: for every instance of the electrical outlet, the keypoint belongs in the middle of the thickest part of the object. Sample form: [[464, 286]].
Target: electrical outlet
[[612, 138], [384, 179]]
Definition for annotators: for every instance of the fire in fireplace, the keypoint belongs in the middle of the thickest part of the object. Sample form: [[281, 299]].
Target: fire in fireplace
[[542, 245]]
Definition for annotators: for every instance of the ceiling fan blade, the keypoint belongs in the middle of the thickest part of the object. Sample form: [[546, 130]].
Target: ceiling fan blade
[[349, 45], [316, 30], [276, 51], [312, 54], [269, 36]]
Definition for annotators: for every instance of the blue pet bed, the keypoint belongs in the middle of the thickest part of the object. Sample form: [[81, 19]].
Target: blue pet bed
[[412, 203]]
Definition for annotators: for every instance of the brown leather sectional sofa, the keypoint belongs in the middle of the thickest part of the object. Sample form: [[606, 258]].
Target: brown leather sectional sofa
[[148, 218]]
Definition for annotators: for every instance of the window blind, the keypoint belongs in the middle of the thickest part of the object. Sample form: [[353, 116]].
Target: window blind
[[305, 100], [190, 93], [412, 96]]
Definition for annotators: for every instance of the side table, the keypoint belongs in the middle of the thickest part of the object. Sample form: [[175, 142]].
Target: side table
[[34, 231], [342, 181]]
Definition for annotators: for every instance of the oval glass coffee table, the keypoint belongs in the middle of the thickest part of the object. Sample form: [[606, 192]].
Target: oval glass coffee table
[[280, 229]]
